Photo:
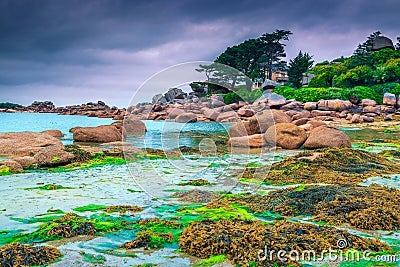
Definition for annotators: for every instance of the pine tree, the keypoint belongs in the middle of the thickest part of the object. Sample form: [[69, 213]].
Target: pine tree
[[297, 66]]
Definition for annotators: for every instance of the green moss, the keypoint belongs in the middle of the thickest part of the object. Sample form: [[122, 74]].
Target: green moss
[[55, 159], [49, 187], [146, 265], [212, 260]]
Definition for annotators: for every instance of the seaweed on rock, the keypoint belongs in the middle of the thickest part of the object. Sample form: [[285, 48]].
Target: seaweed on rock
[[330, 166], [366, 207], [149, 239], [242, 240], [196, 196], [16, 254]]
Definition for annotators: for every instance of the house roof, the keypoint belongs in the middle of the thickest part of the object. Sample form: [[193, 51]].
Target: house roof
[[269, 83]]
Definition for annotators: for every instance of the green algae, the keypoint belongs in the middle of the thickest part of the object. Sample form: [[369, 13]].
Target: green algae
[[90, 207], [5, 171], [95, 259], [149, 239], [229, 212], [95, 162], [134, 191], [49, 187], [37, 219], [250, 180], [71, 225], [198, 182], [214, 259]]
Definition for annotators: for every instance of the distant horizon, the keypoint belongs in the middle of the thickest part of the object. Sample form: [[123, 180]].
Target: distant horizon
[[73, 52]]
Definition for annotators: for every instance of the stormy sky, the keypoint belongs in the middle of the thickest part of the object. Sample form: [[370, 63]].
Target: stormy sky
[[75, 51]]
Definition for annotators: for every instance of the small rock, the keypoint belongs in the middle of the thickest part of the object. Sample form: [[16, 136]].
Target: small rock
[[211, 114], [54, 133], [356, 118], [372, 109], [174, 112], [389, 99], [310, 105], [186, 117], [368, 102], [301, 115], [26, 161], [245, 112], [224, 116], [53, 156], [367, 119], [388, 118], [132, 126], [252, 141]]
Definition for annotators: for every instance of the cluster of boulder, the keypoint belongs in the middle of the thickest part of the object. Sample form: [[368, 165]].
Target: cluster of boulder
[[193, 108], [276, 128], [27, 150], [98, 109]]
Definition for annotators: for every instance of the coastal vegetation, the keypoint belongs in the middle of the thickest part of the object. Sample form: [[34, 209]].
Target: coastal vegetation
[[9, 105]]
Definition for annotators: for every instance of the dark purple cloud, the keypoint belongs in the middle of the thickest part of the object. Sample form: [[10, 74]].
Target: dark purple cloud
[[78, 51]]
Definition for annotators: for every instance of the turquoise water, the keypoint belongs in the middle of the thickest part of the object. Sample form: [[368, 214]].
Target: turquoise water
[[37, 122], [159, 135], [170, 135]]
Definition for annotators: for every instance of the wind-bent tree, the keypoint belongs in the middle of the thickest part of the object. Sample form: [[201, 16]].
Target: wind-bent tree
[[363, 54], [297, 66], [255, 57], [273, 50]]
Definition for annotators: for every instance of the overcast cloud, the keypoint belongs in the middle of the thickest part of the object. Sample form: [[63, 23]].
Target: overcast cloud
[[75, 51]]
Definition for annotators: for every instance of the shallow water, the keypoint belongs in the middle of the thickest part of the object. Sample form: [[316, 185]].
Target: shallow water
[[159, 135], [146, 183], [169, 135], [37, 122], [369, 134]]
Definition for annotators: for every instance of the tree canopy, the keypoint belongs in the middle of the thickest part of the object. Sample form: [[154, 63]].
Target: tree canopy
[[297, 66], [255, 57], [364, 68]]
